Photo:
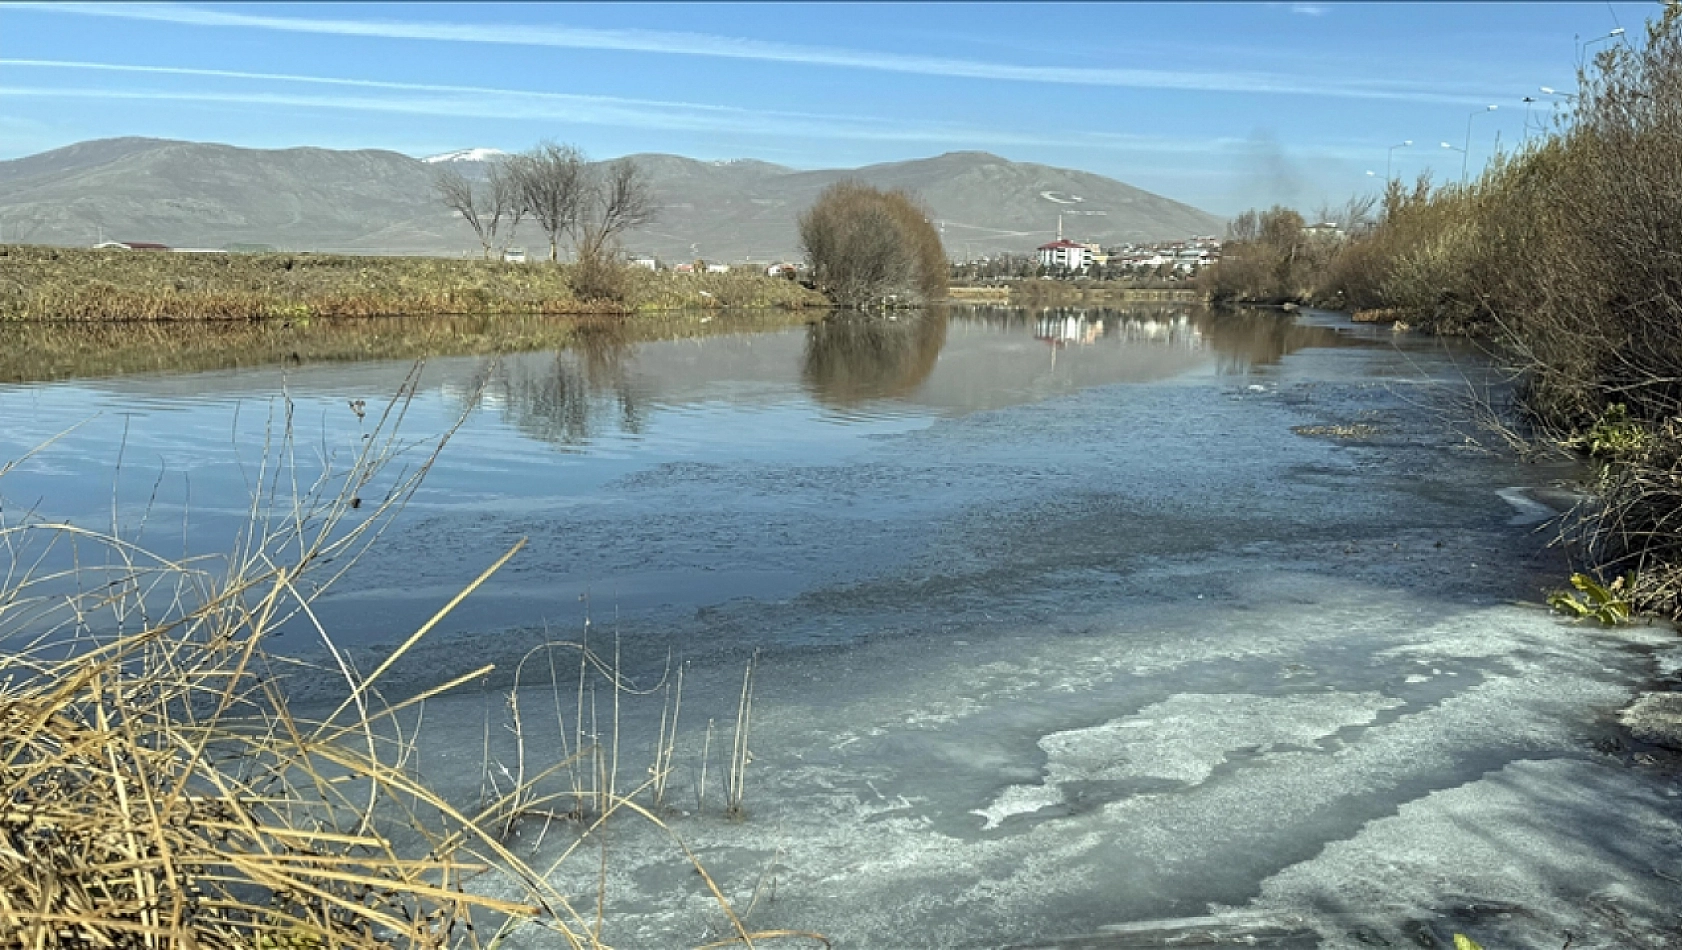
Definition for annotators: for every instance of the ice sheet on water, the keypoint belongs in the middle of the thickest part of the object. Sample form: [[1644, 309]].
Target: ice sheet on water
[[1181, 741], [1035, 782]]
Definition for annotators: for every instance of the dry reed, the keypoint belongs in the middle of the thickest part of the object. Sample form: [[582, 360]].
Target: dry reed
[[159, 791]]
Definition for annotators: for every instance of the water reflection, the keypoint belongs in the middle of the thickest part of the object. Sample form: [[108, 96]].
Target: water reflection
[[1239, 339], [571, 385], [851, 358], [940, 361], [567, 397], [1244, 339], [621, 408]]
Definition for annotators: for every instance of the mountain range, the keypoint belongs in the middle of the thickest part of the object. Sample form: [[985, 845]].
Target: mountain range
[[190, 194]]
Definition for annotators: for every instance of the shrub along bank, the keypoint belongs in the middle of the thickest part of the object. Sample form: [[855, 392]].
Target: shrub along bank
[[869, 248], [1568, 255], [49, 283]]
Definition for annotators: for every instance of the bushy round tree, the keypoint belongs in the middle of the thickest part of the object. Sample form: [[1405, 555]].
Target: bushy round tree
[[868, 247]]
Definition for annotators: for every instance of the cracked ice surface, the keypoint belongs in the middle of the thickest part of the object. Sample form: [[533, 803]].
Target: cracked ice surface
[[1032, 784], [1170, 741]]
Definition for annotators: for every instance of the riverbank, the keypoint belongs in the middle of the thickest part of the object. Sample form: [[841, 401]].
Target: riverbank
[[76, 284], [32, 351], [1562, 255]]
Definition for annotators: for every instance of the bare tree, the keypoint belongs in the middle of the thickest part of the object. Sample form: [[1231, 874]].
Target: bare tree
[[493, 210], [552, 185], [1357, 216], [619, 198], [505, 196]]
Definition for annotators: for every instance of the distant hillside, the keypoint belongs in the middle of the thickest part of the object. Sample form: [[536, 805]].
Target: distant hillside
[[205, 195]]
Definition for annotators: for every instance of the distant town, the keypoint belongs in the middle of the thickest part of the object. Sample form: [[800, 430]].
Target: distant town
[[1169, 261]]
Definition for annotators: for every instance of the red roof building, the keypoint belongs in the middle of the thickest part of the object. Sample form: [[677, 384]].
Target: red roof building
[[1065, 253]]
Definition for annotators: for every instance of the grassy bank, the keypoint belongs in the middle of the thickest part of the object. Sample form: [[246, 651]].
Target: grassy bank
[[47, 283], [32, 351], [1567, 255]]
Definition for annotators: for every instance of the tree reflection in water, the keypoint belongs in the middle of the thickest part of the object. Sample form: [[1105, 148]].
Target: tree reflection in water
[[1244, 338], [563, 397], [599, 387], [853, 358]]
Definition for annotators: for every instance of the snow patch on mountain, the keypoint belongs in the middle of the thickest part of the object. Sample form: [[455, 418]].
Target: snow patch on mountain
[[467, 155]]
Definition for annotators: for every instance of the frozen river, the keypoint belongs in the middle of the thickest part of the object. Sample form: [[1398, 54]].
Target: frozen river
[[1074, 629]]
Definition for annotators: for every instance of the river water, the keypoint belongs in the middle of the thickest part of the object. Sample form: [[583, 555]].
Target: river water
[[1070, 625]]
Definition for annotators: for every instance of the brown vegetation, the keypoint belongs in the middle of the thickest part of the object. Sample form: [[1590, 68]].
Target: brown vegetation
[[1566, 255], [1271, 257], [42, 283], [872, 248], [162, 795], [33, 351]]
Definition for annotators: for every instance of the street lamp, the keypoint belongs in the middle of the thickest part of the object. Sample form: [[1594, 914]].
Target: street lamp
[[1466, 152], [1528, 101], [1551, 91], [1456, 148], [1391, 151], [1599, 39]]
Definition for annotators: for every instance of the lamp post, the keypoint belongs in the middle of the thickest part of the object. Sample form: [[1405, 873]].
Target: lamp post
[[1466, 152], [1557, 96], [1390, 152], [1456, 148], [1528, 101], [1584, 48]]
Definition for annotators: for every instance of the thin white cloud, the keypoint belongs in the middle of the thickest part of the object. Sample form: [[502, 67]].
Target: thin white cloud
[[1308, 9], [583, 111], [553, 97], [618, 113], [700, 44], [482, 102]]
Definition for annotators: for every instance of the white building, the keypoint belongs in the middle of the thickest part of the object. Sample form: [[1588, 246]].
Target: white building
[[1065, 253]]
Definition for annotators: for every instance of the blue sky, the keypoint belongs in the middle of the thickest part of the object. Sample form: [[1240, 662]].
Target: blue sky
[[1224, 106]]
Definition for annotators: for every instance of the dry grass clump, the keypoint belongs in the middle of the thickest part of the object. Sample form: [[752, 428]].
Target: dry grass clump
[[42, 283], [159, 792]]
